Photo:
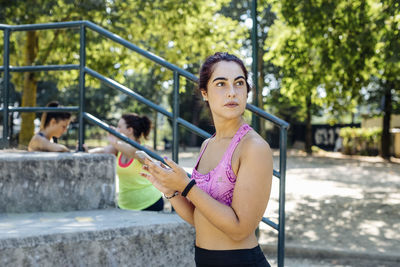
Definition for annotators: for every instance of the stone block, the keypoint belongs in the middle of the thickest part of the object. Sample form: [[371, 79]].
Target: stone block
[[43, 181], [108, 237]]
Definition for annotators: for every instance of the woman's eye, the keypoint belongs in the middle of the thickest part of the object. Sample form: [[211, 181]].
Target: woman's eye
[[220, 84], [240, 83]]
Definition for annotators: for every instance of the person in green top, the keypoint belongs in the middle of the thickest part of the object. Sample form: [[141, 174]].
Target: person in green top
[[135, 192]]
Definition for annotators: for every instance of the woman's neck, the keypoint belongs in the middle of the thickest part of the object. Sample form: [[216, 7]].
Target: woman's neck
[[137, 140], [46, 133], [227, 129]]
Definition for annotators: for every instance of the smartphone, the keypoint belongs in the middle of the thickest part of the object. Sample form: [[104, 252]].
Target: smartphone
[[143, 155]]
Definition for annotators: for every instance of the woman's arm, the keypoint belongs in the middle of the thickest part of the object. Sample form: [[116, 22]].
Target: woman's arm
[[250, 196], [184, 208], [40, 143], [107, 149], [181, 204]]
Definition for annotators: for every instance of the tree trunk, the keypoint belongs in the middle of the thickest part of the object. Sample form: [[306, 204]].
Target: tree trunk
[[155, 126], [28, 91], [195, 120], [261, 85], [387, 113], [308, 140]]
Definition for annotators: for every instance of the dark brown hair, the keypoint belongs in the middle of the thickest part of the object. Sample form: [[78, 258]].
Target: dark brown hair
[[207, 68], [47, 116], [140, 125]]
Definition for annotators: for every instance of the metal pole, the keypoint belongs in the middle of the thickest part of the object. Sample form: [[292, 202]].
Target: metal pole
[[175, 129], [254, 41], [82, 63], [282, 185], [6, 82]]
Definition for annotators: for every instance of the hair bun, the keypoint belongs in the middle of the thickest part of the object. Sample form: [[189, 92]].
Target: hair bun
[[53, 104]]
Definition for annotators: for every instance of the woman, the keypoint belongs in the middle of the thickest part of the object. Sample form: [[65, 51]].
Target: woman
[[231, 181], [52, 126], [135, 192]]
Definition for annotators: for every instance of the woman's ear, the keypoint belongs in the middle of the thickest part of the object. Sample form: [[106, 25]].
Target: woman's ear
[[130, 130], [52, 122], [204, 94]]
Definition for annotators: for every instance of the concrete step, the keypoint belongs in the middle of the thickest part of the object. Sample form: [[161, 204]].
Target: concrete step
[[34, 182], [108, 237]]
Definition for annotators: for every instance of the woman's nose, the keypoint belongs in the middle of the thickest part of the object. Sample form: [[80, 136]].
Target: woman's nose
[[231, 90]]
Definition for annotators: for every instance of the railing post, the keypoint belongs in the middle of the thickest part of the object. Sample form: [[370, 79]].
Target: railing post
[[6, 81], [254, 41], [175, 128], [82, 64], [282, 185]]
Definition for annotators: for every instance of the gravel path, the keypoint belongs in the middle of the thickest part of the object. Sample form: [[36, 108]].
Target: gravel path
[[340, 204]]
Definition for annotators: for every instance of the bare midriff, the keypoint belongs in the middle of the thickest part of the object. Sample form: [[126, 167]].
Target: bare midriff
[[210, 237]]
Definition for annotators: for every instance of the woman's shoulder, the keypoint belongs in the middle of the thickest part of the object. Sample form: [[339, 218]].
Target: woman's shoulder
[[252, 142], [205, 142], [35, 142]]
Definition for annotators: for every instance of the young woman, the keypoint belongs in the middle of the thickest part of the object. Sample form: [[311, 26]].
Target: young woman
[[52, 126], [231, 181], [135, 192]]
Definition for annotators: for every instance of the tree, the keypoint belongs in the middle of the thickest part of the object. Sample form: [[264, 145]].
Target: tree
[[29, 12], [300, 71], [183, 32], [323, 48], [386, 62], [241, 12]]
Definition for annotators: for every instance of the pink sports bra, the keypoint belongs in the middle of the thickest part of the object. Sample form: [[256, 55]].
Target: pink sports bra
[[220, 182]]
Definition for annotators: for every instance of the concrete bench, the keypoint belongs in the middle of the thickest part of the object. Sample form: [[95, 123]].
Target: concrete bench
[[43, 181], [108, 237]]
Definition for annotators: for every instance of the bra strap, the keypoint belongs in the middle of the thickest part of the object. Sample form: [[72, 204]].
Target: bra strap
[[243, 130], [202, 152]]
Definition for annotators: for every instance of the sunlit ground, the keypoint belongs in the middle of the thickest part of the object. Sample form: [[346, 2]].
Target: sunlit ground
[[339, 203]]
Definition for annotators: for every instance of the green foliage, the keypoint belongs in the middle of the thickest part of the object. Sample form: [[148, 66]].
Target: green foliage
[[182, 32], [322, 48], [337, 55], [361, 141]]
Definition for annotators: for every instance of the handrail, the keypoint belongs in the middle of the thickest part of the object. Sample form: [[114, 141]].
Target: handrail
[[43, 26], [120, 40], [41, 68], [174, 116], [106, 127], [267, 116], [35, 109], [145, 101]]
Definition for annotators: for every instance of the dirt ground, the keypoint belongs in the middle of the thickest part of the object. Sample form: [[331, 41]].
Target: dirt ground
[[340, 203]]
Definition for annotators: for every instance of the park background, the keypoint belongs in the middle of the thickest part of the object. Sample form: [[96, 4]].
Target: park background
[[322, 65]]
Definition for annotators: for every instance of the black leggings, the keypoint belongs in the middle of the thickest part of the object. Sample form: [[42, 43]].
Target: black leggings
[[253, 257], [158, 206]]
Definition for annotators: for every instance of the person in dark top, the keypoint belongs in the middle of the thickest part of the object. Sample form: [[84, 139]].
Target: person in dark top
[[52, 125]]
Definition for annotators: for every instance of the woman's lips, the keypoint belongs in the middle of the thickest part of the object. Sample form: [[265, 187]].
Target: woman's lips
[[231, 104]]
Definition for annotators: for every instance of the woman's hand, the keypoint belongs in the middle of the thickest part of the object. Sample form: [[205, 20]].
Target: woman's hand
[[167, 180]]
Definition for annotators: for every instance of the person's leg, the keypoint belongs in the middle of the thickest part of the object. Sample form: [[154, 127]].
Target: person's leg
[[158, 206]]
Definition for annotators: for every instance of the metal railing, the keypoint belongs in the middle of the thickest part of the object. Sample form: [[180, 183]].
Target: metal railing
[[174, 116]]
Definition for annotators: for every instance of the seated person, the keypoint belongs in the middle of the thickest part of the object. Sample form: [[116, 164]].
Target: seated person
[[135, 192], [52, 125]]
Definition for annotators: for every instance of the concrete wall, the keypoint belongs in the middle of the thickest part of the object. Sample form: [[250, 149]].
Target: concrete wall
[[109, 237], [377, 122], [43, 181]]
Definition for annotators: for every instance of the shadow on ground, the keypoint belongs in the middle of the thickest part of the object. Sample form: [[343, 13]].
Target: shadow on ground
[[340, 204]]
